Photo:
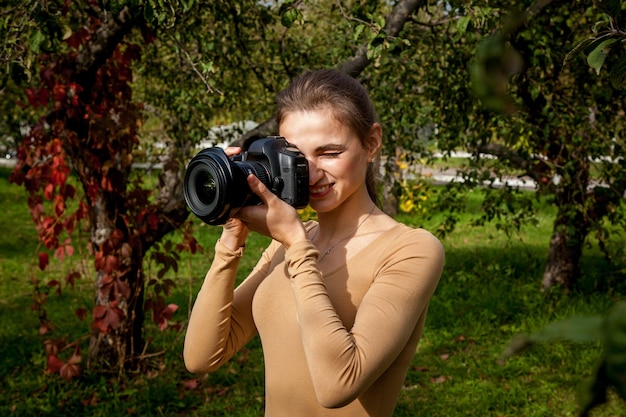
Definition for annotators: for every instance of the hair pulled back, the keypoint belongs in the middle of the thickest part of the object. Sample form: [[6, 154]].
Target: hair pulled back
[[347, 100]]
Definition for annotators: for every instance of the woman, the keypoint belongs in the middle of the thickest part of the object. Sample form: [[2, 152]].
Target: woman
[[340, 303]]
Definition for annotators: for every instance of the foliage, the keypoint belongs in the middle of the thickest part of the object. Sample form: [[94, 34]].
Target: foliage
[[90, 127], [605, 43], [180, 67], [484, 78]]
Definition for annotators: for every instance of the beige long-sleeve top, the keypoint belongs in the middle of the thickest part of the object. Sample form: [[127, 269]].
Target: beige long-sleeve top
[[334, 345]]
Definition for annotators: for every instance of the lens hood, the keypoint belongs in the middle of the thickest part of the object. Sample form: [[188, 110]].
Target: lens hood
[[208, 186]]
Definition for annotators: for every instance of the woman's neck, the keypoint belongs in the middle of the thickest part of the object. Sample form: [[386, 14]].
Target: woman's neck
[[344, 220]]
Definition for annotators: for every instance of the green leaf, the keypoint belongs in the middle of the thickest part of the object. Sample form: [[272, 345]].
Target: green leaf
[[578, 49], [615, 348], [357, 31], [593, 392], [36, 40], [290, 16], [595, 59], [462, 23]]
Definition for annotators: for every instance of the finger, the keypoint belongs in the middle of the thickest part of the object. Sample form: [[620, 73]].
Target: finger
[[259, 188], [232, 150]]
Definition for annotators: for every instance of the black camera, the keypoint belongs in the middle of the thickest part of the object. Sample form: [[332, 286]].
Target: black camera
[[215, 185]]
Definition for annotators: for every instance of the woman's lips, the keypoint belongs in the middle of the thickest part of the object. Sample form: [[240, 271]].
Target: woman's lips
[[320, 191]]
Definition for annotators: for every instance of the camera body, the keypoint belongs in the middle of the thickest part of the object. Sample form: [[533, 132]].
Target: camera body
[[215, 185]]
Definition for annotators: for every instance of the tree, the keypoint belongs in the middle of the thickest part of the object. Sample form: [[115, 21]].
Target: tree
[[558, 125], [90, 127]]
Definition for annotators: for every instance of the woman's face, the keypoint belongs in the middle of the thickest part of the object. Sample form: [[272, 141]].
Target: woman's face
[[337, 160]]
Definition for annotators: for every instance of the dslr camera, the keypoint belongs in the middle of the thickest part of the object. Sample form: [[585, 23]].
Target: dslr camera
[[215, 185]]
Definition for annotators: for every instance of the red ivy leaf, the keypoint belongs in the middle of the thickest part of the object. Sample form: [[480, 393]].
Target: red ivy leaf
[[99, 312], [60, 253], [54, 364], [76, 357], [123, 288], [164, 315], [69, 371], [52, 347], [111, 263], [55, 283], [44, 260], [169, 311], [59, 205], [43, 328], [49, 191], [107, 317], [78, 38]]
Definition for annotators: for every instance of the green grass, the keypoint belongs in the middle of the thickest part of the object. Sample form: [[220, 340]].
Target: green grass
[[489, 292]]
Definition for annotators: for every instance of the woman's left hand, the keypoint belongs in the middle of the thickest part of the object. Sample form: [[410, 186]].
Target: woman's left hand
[[274, 218]]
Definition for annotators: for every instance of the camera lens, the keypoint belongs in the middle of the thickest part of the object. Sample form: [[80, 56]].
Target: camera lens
[[207, 188], [215, 185]]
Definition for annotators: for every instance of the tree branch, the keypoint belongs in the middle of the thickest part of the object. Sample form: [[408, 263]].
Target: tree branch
[[353, 66], [505, 153], [393, 25], [101, 45]]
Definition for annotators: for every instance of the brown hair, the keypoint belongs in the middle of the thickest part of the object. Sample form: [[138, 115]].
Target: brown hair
[[346, 98]]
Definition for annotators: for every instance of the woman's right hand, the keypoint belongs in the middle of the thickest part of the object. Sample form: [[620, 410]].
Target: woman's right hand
[[234, 234], [235, 231]]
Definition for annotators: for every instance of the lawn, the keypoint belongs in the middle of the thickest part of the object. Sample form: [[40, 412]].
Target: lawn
[[489, 292]]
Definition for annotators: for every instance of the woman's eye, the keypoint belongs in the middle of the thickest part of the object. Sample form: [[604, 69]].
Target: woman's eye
[[331, 154]]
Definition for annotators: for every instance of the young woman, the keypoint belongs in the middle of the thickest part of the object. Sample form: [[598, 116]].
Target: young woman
[[340, 303]]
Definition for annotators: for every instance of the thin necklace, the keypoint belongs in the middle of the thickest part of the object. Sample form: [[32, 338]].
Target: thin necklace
[[331, 247]]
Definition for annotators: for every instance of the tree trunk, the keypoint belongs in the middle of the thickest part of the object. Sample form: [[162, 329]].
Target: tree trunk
[[119, 349], [117, 337], [571, 227], [392, 176], [563, 264]]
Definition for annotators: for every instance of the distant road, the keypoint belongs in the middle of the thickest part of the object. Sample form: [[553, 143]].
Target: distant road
[[441, 176], [9, 163], [438, 176]]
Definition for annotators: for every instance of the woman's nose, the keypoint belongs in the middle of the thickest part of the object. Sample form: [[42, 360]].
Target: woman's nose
[[314, 172]]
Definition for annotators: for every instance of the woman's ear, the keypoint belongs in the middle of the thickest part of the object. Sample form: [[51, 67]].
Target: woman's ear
[[374, 141]]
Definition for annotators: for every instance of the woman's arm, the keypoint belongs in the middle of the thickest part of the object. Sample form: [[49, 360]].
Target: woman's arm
[[343, 363], [221, 319]]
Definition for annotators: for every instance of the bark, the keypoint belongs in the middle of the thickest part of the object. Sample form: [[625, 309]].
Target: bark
[[563, 263], [571, 226]]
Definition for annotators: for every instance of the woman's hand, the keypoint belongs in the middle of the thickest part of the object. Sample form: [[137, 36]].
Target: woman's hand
[[274, 218], [235, 232]]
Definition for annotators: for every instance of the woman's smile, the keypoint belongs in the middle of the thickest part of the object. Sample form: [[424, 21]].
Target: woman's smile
[[319, 191]]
